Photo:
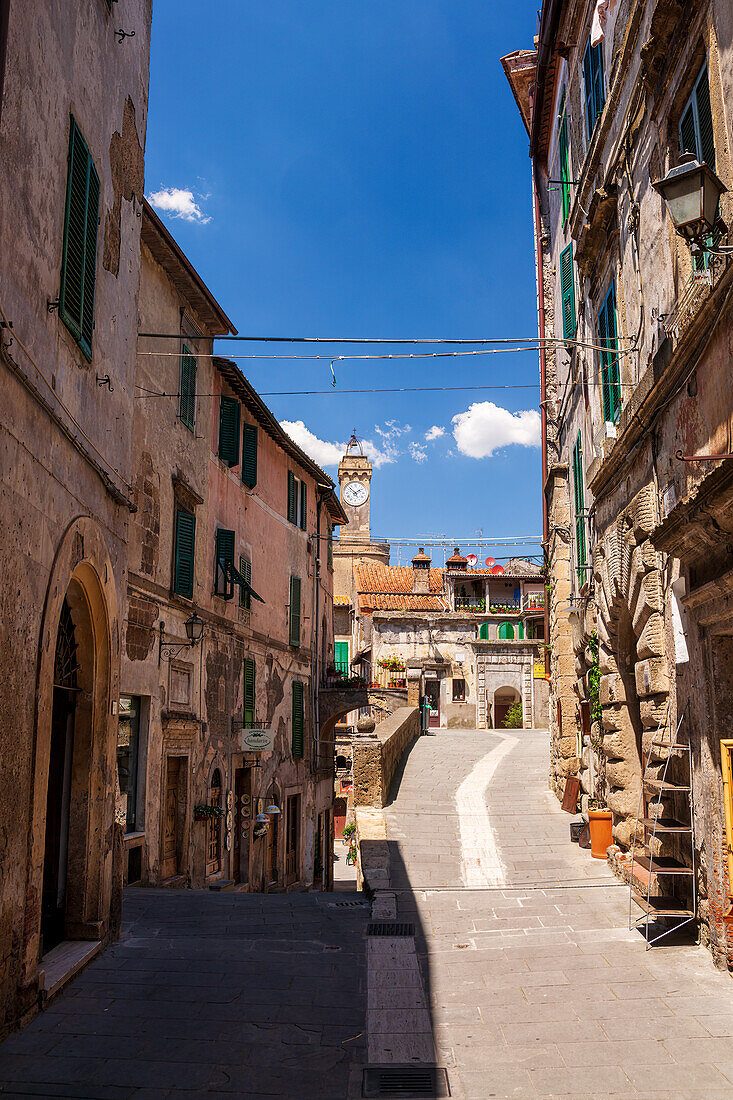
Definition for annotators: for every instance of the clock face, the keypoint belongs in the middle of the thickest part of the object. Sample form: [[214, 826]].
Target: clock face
[[354, 493]]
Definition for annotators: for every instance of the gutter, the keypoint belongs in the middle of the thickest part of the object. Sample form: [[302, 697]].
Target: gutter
[[549, 22]]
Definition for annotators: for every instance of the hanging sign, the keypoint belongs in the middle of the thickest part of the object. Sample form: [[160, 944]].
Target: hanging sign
[[257, 740]]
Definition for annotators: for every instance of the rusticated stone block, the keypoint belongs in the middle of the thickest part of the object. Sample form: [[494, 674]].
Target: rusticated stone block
[[644, 512], [651, 639], [650, 599], [652, 676], [653, 711], [612, 689]]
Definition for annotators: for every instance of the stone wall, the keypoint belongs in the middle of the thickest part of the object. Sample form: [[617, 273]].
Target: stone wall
[[376, 759]]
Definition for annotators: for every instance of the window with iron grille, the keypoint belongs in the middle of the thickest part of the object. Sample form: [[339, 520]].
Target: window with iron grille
[[79, 259]]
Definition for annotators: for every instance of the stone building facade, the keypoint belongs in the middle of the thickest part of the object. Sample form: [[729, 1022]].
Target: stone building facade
[[71, 188], [234, 525], [638, 415]]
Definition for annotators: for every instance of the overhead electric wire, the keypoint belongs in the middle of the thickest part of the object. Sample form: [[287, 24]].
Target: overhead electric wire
[[360, 339]]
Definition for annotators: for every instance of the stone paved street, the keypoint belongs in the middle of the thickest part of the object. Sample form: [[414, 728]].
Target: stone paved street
[[243, 994], [536, 985]]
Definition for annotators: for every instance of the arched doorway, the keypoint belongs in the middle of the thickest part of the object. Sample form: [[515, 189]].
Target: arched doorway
[[483, 632], [504, 698], [213, 848], [506, 631]]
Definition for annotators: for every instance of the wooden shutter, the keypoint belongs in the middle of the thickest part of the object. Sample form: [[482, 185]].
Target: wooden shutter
[[593, 81], [564, 149], [245, 568], [614, 388], [341, 657], [303, 506], [705, 119], [567, 292], [294, 611], [605, 381], [249, 692], [483, 632], [224, 553], [292, 498], [187, 407], [249, 455], [329, 561], [184, 554], [588, 89], [229, 415], [579, 502], [298, 719], [599, 97], [79, 260], [688, 142]]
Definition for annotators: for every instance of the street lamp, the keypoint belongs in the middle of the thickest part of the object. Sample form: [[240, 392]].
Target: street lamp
[[692, 192], [194, 627]]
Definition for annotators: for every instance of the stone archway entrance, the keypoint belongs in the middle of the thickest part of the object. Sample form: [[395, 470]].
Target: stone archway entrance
[[504, 698]]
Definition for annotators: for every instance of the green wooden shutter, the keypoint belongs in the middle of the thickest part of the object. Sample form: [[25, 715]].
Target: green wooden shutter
[[249, 455], [579, 502], [593, 81], [564, 148], [303, 506], [292, 498], [229, 416], [298, 719], [588, 89], [612, 361], [249, 692], [79, 260], [483, 632], [341, 657], [245, 568], [705, 119], [184, 554], [295, 611], [329, 560], [224, 553], [187, 406], [506, 631], [567, 291], [688, 142], [603, 341]]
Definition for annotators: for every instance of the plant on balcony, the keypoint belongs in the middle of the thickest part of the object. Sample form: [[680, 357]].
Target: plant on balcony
[[392, 664]]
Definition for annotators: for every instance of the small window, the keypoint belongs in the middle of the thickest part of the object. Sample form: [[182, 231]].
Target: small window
[[579, 502], [696, 122], [567, 293], [79, 262], [249, 455], [249, 693], [187, 400], [183, 559], [341, 657], [459, 691], [229, 417], [608, 340], [298, 738], [245, 595], [223, 584], [593, 80], [294, 633]]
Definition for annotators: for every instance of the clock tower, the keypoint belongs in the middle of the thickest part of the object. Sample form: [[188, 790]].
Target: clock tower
[[354, 545]]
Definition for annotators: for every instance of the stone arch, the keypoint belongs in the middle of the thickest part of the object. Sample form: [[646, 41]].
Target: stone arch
[[633, 660], [504, 698], [81, 587]]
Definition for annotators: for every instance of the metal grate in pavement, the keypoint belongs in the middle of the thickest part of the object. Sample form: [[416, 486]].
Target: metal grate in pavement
[[394, 1081], [390, 928], [346, 904]]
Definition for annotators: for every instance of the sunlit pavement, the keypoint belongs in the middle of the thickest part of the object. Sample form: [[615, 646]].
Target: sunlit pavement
[[536, 985]]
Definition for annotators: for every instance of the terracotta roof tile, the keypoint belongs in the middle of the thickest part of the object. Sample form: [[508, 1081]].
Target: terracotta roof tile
[[383, 579], [374, 602]]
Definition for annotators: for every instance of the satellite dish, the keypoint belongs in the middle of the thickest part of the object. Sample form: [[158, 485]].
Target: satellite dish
[[490, 562], [498, 569], [472, 560]]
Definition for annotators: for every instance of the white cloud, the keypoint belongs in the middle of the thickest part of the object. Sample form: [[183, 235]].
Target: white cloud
[[179, 204], [485, 427], [418, 452], [330, 454], [434, 433]]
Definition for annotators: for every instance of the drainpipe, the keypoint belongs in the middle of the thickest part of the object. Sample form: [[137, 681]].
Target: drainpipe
[[543, 393]]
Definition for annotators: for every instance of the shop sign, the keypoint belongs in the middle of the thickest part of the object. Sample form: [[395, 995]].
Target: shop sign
[[539, 670], [253, 740]]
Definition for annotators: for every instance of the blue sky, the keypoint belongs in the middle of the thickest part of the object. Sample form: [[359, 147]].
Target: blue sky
[[360, 169]]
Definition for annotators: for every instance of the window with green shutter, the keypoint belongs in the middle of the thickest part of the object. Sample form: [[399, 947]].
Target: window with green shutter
[[249, 693], [608, 340], [223, 585], [506, 631], [483, 632], [292, 498], [187, 405], [579, 502], [595, 95], [229, 416], [567, 293], [183, 559], [245, 598], [329, 560], [298, 719], [341, 657], [249, 455], [294, 635], [303, 506], [564, 151], [79, 260]]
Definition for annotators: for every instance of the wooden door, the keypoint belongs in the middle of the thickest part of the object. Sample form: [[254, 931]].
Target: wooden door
[[292, 839], [432, 693], [339, 818], [271, 868], [213, 846], [169, 852]]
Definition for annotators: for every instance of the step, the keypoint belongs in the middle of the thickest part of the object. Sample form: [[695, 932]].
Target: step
[[666, 825], [663, 865], [664, 787], [662, 906], [223, 885]]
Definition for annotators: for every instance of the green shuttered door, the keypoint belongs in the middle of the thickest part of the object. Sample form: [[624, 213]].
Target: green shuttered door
[[184, 555], [249, 692], [567, 291], [298, 719], [249, 455], [229, 414], [294, 611], [79, 262]]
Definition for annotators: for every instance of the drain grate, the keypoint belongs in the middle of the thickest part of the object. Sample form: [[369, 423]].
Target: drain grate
[[390, 928], [396, 1081], [347, 904]]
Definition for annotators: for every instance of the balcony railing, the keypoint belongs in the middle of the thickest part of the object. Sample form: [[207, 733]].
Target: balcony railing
[[389, 677], [535, 602], [508, 607], [470, 603]]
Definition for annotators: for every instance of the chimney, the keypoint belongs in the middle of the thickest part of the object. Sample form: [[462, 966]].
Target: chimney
[[457, 564], [421, 572]]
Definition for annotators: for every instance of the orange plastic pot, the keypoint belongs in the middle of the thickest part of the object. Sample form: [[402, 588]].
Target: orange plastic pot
[[601, 832]]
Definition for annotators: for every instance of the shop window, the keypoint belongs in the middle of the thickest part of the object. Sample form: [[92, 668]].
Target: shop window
[[459, 690]]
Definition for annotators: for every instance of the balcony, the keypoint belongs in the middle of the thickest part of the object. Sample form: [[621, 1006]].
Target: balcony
[[470, 603], [534, 602], [508, 607], [390, 674]]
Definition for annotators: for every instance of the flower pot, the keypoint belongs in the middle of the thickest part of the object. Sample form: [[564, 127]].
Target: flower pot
[[601, 832]]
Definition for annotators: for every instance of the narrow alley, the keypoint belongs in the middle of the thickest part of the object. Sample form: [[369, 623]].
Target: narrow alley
[[534, 985]]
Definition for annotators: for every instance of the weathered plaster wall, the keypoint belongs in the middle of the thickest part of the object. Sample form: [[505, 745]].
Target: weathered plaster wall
[[377, 757]]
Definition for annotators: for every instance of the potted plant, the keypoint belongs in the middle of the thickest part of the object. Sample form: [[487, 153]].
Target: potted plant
[[600, 820]]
